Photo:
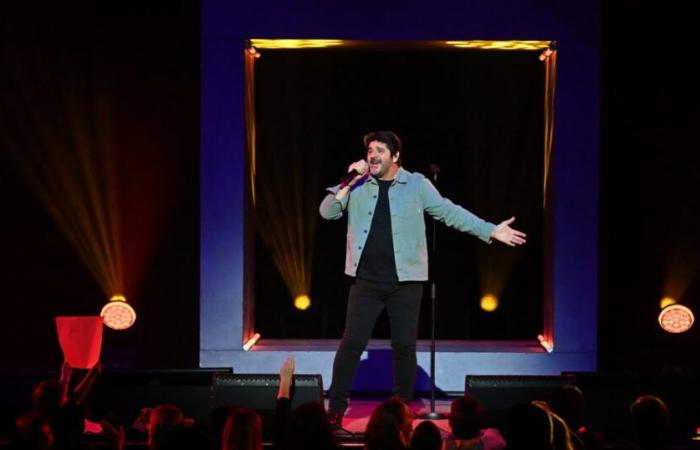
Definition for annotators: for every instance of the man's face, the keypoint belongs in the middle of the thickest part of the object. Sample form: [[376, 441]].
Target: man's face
[[381, 164]]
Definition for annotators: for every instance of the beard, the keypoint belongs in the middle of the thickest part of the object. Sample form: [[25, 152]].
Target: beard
[[377, 167]]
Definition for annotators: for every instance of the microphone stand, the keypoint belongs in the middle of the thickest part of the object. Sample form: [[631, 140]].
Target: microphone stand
[[433, 415]]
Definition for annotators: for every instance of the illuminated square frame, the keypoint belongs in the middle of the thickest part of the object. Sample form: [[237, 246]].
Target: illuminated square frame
[[225, 320]]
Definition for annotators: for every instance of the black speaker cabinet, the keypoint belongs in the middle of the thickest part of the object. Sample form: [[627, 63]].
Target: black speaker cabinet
[[499, 393], [259, 392]]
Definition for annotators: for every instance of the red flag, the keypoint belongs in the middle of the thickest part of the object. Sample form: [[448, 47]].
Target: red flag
[[80, 339]]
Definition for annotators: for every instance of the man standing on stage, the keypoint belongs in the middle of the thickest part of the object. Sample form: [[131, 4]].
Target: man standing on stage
[[387, 253]]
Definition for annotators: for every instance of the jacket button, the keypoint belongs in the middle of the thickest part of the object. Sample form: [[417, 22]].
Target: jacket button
[[366, 232], [359, 247]]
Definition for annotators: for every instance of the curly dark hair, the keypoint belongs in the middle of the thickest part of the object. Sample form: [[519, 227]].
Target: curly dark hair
[[388, 138]]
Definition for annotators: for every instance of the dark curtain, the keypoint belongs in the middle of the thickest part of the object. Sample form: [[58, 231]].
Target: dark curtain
[[477, 114]]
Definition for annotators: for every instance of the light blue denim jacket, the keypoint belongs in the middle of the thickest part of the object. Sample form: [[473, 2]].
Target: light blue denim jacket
[[409, 196]]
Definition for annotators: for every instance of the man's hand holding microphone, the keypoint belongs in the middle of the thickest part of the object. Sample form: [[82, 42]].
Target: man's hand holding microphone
[[356, 171]]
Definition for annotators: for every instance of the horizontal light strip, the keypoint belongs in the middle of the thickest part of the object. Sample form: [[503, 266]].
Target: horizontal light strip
[[474, 44], [296, 43], [500, 45]]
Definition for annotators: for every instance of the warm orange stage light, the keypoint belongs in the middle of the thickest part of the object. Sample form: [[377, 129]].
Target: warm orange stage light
[[118, 314], [676, 318], [666, 301], [302, 302], [489, 303]]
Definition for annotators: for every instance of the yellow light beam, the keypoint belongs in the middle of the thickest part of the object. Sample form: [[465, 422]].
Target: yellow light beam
[[67, 166]]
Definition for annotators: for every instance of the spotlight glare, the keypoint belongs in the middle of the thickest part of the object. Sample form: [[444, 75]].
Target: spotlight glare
[[676, 318], [302, 302], [251, 342], [545, 343], [666, 301], [489, 303], [545, 54], [118, 314]]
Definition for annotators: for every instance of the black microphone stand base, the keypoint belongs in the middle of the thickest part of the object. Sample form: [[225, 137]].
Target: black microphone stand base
[[434, 415]]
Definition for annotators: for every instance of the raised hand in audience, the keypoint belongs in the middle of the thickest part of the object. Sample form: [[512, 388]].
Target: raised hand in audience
[[286, 378]]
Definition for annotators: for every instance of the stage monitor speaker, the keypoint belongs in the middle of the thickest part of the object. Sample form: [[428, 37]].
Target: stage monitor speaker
[[259, 392], [499, 393], [119, 396]]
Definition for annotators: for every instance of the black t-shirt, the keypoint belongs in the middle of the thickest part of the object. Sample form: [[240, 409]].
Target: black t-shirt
[[377, 262]]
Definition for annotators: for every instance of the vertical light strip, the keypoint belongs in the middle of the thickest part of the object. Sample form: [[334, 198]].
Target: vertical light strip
[[549, 89], [250, 119]]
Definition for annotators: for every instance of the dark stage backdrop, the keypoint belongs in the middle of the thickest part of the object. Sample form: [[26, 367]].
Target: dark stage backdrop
[[477, 114], [649, 185], [650, 188]]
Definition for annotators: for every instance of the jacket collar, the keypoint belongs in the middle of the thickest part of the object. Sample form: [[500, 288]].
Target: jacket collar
[[401, 177]]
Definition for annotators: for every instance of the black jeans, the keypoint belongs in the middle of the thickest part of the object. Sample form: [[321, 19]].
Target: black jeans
[[365, 301]]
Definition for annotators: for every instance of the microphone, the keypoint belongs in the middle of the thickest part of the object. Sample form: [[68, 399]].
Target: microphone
[[348, 177]]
